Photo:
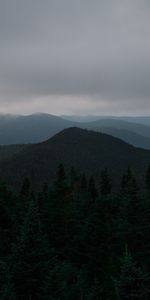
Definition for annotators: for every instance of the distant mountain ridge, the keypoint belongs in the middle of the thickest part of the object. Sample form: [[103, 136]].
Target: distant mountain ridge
[[144, 130], [30, 129], [36, 128], [128, 136], [145, 120], [87, 151]]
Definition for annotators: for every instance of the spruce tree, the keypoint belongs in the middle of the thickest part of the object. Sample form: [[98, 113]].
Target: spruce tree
[[83, 183], [147, 179], [92, 189], [129, 184], [31, 256], [133, 282], [7, 290], [105, 183], [26, 187]]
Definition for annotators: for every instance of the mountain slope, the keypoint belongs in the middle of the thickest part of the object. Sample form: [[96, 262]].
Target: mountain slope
[[85, 150], [7, 152], [130, 137], [30, 129], [39, 127], [140, 129], [145, 120], [139, 120]]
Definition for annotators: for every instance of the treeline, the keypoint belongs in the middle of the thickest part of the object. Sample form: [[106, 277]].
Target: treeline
[[76, 239]]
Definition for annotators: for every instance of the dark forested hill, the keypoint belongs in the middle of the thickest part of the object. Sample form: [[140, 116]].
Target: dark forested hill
[[79, 236], [87, 151], [9, 151]]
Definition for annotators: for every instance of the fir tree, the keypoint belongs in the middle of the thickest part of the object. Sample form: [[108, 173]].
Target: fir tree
[[92, 189], [147, 179], [31, 256], [105, 183], [129, 184], [133, 281]]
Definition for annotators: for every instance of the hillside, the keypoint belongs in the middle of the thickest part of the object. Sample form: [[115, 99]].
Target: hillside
[[130, 137], [140, 120], [140, 129], [39, 127], [30, 129], [9, 151], [145, 120], [85, 150]]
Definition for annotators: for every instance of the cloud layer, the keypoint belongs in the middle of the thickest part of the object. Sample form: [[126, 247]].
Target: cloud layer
[[66, 56]]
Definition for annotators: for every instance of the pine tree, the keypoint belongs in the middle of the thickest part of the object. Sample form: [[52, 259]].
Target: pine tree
[[129, 184], [26, 188], [92, 189], [73, 177], [105, 183], [58, 206], [83, 183], [147, 179], [31, 256], [62, 282], [61, 192], [133, 281], [61, 175], [7, 226], [6, 282]]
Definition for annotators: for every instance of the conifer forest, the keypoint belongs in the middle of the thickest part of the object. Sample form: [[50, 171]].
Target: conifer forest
[[76, 239]]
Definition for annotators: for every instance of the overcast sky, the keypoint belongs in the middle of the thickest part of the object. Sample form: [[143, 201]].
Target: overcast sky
[[75, 56]]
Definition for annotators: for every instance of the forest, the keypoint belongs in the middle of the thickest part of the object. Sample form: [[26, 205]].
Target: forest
[[76, 239]]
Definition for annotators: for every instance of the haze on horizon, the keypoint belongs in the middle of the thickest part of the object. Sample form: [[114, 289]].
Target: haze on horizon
[[75, 57]]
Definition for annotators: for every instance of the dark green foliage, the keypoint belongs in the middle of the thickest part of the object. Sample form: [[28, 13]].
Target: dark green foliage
[[92, 189], [67, 241], [6, 282], [31, 256], [7, 219], [73, 177], [147, 179], [133, 282], [83, 182], [25, 189], [129, 184], [105, 183]]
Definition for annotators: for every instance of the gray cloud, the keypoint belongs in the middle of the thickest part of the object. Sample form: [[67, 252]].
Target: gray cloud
[[75, 56]]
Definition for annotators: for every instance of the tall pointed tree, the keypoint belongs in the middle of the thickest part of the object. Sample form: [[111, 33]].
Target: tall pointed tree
[[31, 256], [105, 183], [147, 179], [133, 283]]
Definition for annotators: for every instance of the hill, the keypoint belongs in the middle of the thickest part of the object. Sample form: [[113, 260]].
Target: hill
[[85, 150], [9, 151], [39, 127], [145, 120], [140, 129], [130, 137], [30, 129], [140, 120]]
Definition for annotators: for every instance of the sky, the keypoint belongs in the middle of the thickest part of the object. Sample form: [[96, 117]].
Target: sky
[[75, 57]]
